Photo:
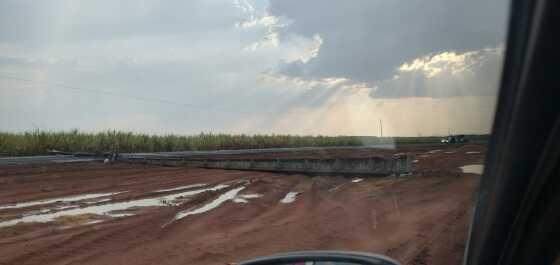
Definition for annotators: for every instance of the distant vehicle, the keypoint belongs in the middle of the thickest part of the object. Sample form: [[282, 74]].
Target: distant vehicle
[[454, 139]]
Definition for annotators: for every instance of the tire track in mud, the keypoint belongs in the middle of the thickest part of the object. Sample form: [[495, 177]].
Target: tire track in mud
[[69, 248], [121, 238], [418, 251], [241, 223], [115, 235]]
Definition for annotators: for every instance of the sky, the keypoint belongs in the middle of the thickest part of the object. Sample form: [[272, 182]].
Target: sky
[[421, 67]]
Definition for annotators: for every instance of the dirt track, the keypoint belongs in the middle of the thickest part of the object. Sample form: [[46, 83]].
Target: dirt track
[[417, 219]]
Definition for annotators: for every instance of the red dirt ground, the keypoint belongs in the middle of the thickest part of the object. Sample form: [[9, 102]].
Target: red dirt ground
[[417, 219]]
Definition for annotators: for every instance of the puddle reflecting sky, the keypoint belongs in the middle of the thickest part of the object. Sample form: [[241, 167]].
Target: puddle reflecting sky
[[290, 197], [474, 169], [183, 187], [230, 195], [68, 199], [107, 209]]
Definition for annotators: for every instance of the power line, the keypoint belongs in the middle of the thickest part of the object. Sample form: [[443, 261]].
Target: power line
[[123, 95]]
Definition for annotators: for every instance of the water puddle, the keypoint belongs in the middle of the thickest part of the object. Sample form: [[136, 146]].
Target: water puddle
[[357, 180], [451, 152], [183, 187], [250, 196], [76, 160], [240, 200], [290, 197], [230, 195], [474, 169], [434, 151], [244, 198], [66, 200], [473, 152], [93, 222], [110, 209], [415, 161]]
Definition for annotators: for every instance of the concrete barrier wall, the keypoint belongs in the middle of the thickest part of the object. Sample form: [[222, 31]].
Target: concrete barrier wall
[[358, 166]]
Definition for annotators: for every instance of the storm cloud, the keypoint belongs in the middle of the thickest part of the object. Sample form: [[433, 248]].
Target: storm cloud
[[368, 40]]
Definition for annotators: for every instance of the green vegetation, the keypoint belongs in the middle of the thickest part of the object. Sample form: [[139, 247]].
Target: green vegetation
[[40, 142]]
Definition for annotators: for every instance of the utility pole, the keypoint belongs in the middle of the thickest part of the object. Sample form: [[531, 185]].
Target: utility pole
[[381, 127]]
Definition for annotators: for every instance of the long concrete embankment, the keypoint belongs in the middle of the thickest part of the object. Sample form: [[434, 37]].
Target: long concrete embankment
[[354, 166]]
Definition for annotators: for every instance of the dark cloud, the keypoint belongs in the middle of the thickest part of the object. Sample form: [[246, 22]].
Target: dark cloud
[[367, 40]]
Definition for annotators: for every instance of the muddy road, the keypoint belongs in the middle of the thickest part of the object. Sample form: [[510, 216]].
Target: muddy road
[[95, 213]]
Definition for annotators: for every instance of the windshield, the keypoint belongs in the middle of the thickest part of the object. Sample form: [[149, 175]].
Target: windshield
[[211, 132]]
